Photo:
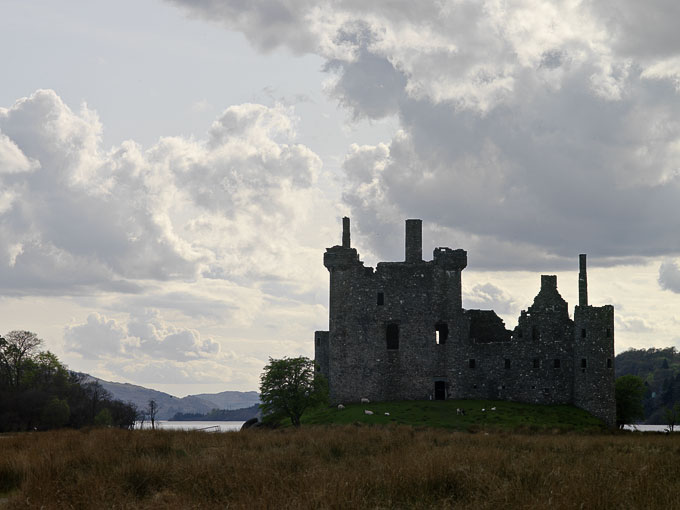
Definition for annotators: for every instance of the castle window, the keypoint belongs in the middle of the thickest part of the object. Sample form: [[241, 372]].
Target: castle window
[[392, 336], [609, 332], [537, 363], [507, 363], [381, 298], [546, 391], [556, 363], [472, 363], [318, 342], [609, 362], [520, 334], [584, 363], [583, 332], [441, 333], [535, 335]]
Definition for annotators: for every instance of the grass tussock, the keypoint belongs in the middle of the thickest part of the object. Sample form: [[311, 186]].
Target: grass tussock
[[353, 466]]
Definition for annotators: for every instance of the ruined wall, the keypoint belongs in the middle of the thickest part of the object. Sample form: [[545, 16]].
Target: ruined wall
[[400, 333], [594, 361]]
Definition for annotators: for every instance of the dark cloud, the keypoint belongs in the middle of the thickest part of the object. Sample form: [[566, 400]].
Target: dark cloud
[[531, 131]]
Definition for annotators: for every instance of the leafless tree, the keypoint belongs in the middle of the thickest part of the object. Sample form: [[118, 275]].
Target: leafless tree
[[15, 349], [152, 411]]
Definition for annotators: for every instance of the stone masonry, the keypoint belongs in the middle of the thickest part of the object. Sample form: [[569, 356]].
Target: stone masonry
[[400, 332]]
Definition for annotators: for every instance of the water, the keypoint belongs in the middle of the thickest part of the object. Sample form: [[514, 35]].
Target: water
[[650, 428], [208, 426]]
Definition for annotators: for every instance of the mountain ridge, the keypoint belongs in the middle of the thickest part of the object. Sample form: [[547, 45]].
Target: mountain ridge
[[169, 405]]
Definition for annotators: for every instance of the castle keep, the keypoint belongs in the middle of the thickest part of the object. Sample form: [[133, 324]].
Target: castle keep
[[400, 332]]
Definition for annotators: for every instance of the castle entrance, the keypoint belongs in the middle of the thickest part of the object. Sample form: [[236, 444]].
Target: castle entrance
[[440, 390]]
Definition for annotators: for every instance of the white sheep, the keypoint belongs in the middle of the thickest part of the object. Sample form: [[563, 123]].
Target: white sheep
[[493, 408], [366, 411], [340, 407], [364, 400], [387, 414]]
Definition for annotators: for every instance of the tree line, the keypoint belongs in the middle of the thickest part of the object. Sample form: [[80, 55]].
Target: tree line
[[658, 374], [38, 392]]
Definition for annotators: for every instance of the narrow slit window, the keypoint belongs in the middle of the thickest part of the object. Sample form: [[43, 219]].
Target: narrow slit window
[[583, 332], [584, 363], [609, 332], [609, 362], [507, 363], [557, 363], [537, 363], [472, 363], [392, 336], [381, 298], [535, 335]]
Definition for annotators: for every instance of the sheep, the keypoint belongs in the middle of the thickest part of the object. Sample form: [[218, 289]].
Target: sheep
[[340, 407], [366, 411], [364, 400], [387, 414], [458, 411], [493, 408]]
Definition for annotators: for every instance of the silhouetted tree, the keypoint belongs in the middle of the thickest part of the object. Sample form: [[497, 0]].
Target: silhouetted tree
[[629, 390], [289, 386], [15, 349], [152, 411]]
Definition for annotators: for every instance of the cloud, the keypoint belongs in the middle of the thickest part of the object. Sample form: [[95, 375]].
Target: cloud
[[489, 297], [74, 217], [539, 127], [143, 335], [669, 275]]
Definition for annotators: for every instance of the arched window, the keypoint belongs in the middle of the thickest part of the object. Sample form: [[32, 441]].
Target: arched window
[[392, 336]]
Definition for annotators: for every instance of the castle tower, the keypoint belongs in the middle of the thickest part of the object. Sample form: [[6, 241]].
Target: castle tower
[[594, 354]]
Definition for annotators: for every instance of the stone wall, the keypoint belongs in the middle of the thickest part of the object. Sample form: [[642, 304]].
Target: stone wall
[[399, 332]]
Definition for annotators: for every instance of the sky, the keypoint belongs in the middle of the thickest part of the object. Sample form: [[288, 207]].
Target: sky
[[171, 171]]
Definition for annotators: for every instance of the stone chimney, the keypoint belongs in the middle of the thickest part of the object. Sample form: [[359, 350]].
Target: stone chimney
[[414, 240]]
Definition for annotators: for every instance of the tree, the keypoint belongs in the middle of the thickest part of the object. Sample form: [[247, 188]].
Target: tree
[[289, 386], [672, 415], [629, 390], [152, 411], [15, 350]]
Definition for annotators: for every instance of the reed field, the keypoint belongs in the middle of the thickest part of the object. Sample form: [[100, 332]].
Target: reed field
[[340, 466]]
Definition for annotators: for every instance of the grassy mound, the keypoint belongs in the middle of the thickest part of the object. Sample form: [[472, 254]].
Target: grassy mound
[[479, 415]]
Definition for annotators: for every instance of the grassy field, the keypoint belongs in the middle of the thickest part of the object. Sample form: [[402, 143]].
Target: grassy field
[[479, 415], [352, 466]]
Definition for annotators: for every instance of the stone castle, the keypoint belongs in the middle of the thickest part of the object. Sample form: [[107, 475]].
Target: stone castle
[[400, 332]]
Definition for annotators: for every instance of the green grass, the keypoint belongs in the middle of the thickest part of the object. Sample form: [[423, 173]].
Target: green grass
[[511, 416]]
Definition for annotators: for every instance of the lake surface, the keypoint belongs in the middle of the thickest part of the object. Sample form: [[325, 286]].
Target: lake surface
[[208, 426], [649, 428]]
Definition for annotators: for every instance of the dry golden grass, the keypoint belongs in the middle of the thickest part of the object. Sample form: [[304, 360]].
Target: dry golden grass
[[337, 467]]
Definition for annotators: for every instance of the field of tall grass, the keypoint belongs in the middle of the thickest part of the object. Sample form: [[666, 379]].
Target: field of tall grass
[[352, 466]]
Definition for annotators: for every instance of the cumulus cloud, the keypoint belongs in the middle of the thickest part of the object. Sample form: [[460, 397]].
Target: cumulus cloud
[[142, 335], [544, 128], [487, 296], [669, 275], [74, 217]]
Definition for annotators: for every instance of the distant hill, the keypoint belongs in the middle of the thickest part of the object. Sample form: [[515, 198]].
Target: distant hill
[[660, 370], [169, 405], [221, 415]]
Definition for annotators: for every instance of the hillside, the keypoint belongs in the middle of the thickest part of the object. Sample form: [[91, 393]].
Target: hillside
[[660, 370], [479, 414], [169, 405]]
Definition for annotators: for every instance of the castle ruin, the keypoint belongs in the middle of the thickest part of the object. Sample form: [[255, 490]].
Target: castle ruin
[[400, 332]]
